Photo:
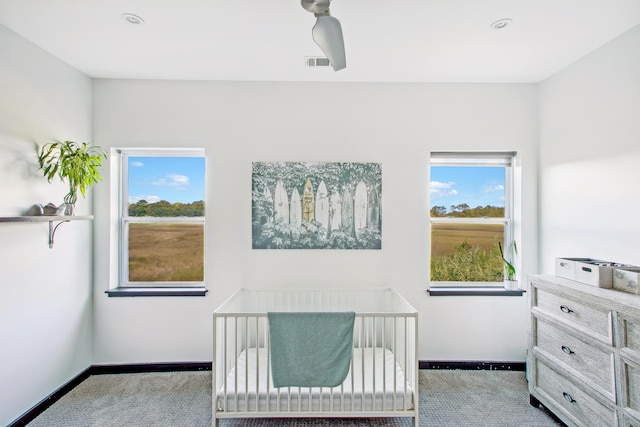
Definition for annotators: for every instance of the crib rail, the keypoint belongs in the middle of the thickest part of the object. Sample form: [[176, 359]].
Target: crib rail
[[382, 380], [363, 300]]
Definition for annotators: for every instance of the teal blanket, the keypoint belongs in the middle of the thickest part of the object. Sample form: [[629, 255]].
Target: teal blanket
[[310, 349]]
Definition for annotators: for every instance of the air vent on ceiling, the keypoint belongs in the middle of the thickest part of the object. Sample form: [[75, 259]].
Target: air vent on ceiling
[[317, 62]]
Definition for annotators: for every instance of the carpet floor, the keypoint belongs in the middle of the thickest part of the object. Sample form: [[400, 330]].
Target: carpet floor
[[175, 399]]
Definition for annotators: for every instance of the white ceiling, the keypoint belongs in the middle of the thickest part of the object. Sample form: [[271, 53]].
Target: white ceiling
[[386, 41]]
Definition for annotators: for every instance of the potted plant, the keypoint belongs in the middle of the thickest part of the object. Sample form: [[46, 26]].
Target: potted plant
[[76, 164], [510, 281]]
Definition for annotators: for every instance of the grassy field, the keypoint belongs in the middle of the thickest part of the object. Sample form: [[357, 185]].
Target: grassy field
[[466, 253], [166, 252], [446, 237], [175, 252]]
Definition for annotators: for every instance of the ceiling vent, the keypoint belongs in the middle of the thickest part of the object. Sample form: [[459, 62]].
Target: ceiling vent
[[317, 62]]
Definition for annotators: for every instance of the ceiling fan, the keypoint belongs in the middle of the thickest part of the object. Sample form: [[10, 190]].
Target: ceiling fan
[[327, 33]]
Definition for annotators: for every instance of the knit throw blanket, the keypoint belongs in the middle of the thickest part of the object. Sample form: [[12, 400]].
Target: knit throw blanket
[[310, 349]]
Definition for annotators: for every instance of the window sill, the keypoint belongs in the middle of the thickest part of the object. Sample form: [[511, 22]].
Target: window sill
[[192, 291], [475, 291]]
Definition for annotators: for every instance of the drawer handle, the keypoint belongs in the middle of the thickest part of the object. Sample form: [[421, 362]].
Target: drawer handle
[[565, 309], [568, 397], [567, 350]]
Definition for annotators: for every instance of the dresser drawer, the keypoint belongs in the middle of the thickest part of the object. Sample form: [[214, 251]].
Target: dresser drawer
[[590, 361], [580, 405], [630, 385], [629, 330], [577, 314]]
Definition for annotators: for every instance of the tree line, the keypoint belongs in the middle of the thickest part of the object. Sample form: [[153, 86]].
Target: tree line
[[463, 210], [166, 209]]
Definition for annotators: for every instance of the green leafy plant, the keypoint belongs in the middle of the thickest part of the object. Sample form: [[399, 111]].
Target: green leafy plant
[[508, 265], [76, 164]]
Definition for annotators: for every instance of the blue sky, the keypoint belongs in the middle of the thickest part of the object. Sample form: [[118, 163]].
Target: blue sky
[[174, 179], [473, 185]]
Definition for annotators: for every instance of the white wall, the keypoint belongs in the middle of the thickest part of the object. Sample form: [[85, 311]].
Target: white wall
[[45, 302], [590, 156], [238, 123]]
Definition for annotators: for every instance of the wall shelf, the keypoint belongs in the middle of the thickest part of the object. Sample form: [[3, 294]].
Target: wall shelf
[[51, 219]]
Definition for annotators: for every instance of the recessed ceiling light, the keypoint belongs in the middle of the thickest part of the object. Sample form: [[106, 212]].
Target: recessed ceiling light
[[132, 19], [501, 24]]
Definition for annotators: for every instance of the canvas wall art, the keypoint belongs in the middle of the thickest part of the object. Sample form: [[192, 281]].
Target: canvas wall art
[[298, 205]]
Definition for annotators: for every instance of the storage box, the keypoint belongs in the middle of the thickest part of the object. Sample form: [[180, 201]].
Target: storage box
[[626, 279], [589, 271], [565, 266]]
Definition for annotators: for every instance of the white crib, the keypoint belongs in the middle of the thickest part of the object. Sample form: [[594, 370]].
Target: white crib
[[382, 380]]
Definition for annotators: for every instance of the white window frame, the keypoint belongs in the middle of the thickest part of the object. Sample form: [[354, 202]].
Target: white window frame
[[484, 159], [124, 219]]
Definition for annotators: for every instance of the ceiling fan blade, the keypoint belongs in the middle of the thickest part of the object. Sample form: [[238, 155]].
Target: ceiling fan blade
[[316, 6], [327, 33]]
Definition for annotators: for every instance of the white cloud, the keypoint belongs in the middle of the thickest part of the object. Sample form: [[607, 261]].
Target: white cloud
[[493, 188], [136, 164], [441, 185], [442, 189], [173, 180]]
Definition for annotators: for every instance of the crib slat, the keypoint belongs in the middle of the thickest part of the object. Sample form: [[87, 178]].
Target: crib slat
[[384, 365], [267, 345], [288, 399], [353, 381], [236, 336], [225, 358], [374, 338], [406, 365], [246, 365], [331, 399], [395, 360], [257, 346], [362, 367]]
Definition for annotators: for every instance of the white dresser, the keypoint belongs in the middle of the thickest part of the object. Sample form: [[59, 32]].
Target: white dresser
[[584, 352]]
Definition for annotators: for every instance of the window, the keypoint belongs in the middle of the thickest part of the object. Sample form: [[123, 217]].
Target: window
[[471, 208], [161, 217]]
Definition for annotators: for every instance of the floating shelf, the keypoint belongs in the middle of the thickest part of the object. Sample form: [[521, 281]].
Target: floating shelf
[[47, 218]]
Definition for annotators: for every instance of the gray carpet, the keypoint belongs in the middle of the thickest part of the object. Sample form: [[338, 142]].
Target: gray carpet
[[447, 398]]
